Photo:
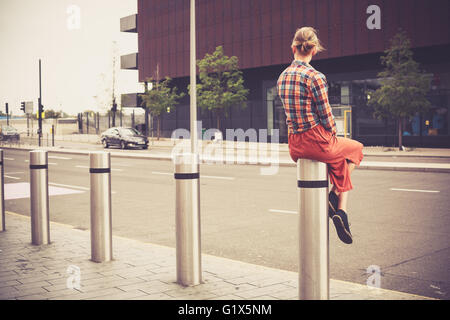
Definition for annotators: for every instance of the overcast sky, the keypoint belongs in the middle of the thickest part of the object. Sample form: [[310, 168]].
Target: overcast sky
[[76, 53]]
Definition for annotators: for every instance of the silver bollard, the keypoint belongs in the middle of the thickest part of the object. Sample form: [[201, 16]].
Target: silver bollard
[[101, 217], [2, 194], [314, 280], [40, 222], [188, 243]]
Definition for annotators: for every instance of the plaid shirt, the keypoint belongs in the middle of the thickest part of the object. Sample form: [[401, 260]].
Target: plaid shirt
[[304, 93]]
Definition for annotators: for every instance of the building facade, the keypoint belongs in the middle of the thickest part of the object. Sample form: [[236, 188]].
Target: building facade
[[355, 34]]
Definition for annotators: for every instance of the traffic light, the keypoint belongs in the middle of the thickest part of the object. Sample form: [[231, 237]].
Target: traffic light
[[114, 107], [40, 109], [22, 106], [6, 109]]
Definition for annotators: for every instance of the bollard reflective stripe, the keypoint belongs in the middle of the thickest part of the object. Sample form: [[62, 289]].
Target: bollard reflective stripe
[[312, 182], [39, 204], [99, 170], [188, 242], [101, 213], [2, 194], [38, 166], [186, 176]]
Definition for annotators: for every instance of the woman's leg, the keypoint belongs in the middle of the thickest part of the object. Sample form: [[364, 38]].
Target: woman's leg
[[343, 196]]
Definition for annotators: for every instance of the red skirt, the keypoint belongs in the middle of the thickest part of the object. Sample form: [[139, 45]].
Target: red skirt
[[319, 144]]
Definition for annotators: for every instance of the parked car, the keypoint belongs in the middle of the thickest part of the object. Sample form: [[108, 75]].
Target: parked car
[[124, 138], [8, 133]]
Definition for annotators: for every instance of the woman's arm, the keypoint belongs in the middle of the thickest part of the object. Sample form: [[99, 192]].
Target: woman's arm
[[319, 89]]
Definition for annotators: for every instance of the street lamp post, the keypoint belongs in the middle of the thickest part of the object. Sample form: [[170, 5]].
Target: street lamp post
[[193, 82], [187, 175]]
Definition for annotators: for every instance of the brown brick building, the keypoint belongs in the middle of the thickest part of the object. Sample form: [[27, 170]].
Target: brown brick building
[[259, 33]]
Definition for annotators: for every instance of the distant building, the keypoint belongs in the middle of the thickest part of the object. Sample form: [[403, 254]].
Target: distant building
[[259, 32]]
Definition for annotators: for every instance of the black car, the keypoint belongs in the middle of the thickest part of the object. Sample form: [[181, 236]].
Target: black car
[[124, 138], [8, 133]]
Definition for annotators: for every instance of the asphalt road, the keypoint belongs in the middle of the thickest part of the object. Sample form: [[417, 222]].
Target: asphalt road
[[400, 220]]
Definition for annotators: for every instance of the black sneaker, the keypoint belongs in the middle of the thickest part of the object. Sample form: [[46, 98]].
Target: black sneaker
[[342, 227], [333, 201]]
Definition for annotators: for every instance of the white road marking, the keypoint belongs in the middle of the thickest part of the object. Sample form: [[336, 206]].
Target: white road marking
[[18, 172], [22, 190], [86, 167], [51, 163], [415, 190], [123, 165], [201, 176], [58, 157], [282, 211], [69, 186], [11, 177], [10, 159], [162, 173], [217, 177]]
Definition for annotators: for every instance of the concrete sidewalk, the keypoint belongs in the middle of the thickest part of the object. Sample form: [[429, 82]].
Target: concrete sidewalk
[[140, 271]]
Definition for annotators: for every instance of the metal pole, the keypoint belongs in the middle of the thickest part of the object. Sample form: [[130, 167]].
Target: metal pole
[[2, 194], [101, 226], [188, 248], [53, 135], [40, 105], [98, 123], [314, 280], [40, 225], [193, 81], [87, 122]]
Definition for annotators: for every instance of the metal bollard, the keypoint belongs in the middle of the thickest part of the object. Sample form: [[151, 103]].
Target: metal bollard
[[2, 194], [101, 226], [188, 248], [40, 222], [314, 280]]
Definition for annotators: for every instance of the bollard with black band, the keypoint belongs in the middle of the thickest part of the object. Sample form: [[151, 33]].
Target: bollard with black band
[[2, 194], [188, 242], [312, 182], [101, 214], [40, 222]]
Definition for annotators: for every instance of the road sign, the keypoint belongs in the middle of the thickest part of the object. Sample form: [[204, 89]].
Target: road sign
[[29, 107]]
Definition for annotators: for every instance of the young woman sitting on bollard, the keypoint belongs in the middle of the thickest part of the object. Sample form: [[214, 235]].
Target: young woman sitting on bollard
[[311, 126]]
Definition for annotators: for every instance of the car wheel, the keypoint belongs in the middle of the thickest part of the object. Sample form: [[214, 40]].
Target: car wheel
[[122, 145], [145, 147], [105, 144]]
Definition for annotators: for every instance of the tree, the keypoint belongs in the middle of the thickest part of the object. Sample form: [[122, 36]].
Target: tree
[[221, 84], [52, 114], [403, 85], [160, 98]]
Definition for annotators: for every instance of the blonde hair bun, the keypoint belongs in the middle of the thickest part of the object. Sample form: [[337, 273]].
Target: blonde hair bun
[[305, 40]]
